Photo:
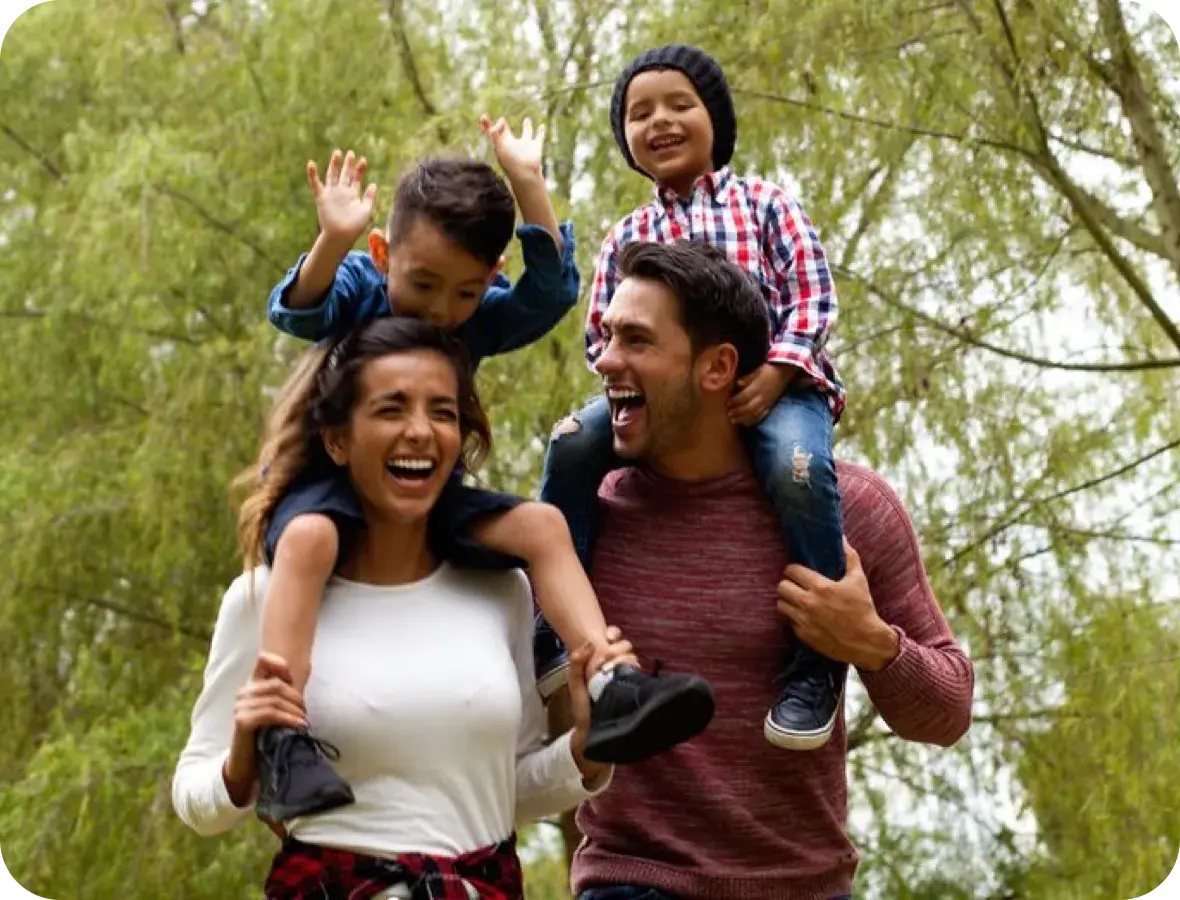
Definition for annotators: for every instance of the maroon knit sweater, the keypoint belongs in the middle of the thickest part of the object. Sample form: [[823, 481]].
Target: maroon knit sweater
[[689, 572]]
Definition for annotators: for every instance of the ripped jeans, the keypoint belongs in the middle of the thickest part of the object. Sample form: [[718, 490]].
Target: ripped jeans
[[791, 451]]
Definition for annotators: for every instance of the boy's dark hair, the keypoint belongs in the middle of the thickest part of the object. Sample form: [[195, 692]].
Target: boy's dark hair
[[463, 197], [719, 302]]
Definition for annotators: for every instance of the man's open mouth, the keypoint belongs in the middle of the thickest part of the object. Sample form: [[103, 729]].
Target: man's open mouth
[[625, 404], [411, 468]]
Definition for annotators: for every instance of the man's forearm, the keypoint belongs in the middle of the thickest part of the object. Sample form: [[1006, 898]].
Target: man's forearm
[[532, 196], [925, 693], [317, 272]]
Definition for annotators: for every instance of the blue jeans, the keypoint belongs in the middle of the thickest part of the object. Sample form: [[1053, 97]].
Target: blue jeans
[[636, 892], [790, 449]]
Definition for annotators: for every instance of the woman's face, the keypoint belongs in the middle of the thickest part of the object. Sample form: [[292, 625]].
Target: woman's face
[[403, 439]]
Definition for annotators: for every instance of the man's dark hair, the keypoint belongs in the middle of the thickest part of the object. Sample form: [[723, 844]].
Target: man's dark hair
[[465, 198], [719, 302]]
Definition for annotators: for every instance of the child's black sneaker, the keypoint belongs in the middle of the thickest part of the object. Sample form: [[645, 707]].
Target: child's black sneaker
[[294, 776], [805, 713], [638, 715]]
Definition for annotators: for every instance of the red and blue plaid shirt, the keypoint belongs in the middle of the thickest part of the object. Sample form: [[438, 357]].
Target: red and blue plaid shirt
[[309, 870], [762, 228]]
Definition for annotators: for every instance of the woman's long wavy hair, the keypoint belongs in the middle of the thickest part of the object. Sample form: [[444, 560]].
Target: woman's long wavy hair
[[320, 394]]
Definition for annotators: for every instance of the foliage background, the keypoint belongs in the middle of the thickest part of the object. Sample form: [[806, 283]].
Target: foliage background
[[996, 183]]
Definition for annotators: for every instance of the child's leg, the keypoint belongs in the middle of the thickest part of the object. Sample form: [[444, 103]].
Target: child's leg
[[303, 563], [633, 715], [538, 534], [302, 543], [791, 450], [792, 454], [578, 458]]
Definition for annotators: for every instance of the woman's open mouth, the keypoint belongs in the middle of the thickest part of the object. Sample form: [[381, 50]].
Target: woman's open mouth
[[412, 472]]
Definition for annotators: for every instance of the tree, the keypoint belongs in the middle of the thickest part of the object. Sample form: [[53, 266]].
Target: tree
[[995, 182]]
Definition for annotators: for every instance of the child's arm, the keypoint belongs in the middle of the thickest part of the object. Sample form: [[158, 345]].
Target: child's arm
[[808, 306], [606, 279], [520, 158], [330, 289], [803, 279], [514, 315]]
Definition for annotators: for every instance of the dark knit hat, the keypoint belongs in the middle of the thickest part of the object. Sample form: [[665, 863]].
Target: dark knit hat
[[708, 79]]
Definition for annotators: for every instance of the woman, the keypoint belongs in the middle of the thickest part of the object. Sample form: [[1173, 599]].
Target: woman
[[422, 674]]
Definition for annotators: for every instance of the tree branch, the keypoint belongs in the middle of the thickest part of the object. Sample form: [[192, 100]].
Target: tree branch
[[46, 163], [1024, 506], [915, 130], [1092, 219], [1129, 231], [397, 16], [860, 731], [217, 224], [1077, 198], [967, 337], [136, 615], [1137, 107], [174, 20], [93, 320]]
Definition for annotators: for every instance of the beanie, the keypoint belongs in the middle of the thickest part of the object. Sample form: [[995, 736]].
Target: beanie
[[708, 79]]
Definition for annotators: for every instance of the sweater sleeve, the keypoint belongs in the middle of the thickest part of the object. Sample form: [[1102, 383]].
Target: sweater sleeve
[[548, 780], [199, 795], [925, 693]]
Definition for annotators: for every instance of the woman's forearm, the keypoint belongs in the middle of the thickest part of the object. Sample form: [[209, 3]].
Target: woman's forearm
[[239, 773]]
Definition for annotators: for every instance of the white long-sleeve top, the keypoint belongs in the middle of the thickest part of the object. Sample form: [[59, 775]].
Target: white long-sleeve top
[[428, 691]]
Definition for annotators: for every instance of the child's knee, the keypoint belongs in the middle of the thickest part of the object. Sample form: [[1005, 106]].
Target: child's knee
[[802, 479], [578, 440], [310, 544]]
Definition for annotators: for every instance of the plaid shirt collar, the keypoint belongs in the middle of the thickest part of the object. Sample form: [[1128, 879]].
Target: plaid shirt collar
[[711, 184], [308, 870]]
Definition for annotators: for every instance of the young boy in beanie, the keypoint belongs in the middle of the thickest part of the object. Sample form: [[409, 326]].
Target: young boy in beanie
[[674, 121]]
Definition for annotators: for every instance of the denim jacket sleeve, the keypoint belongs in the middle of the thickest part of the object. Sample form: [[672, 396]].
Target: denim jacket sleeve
[[357, 295], [511, 316]]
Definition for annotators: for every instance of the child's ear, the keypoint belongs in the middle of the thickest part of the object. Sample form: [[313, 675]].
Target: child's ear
[[496, 270], [379, 250], [336, 443]]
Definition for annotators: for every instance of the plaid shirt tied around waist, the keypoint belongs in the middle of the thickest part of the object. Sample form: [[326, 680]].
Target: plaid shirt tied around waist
[[306, 870]]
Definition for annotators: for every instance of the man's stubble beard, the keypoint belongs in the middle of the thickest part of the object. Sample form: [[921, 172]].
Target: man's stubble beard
[[670, 420]]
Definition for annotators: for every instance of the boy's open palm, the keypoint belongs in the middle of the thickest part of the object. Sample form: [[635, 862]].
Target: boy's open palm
[[344, 211], [517, 154]]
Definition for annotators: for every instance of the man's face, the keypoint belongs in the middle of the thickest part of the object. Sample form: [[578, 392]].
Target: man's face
[[647, 371], [430, 276]]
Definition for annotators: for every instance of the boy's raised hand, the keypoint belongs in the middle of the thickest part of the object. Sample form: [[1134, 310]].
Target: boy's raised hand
[[517, 155], [344, 211]]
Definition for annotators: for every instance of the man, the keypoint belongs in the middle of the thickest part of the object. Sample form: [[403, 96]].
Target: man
[[688, 563]]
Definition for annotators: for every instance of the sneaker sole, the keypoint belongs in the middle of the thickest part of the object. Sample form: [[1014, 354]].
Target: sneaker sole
[[659, 726], [552, 681], [798, 740]]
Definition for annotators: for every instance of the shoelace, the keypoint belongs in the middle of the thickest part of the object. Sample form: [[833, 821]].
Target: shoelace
[[283, 748]]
